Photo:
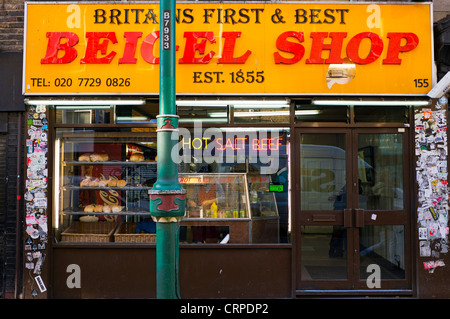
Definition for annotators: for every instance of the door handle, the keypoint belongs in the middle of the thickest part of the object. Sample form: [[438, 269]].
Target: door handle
[[348, 218], [359, 217]]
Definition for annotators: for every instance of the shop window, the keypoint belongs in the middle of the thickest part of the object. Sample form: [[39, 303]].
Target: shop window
[[81, 114], [237, 178], [266, 113], [190, 112], [145, 113], [321, 113], [102, 177], [386, 114], [234, 111], [101, 183], [108, 112]]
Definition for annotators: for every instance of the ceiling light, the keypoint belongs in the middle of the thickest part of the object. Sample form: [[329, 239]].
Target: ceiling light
[[84, 102], [82, 107], [240, 103], [307, 112], [203, 120], [132, 118], [250, 114], [370, 102]]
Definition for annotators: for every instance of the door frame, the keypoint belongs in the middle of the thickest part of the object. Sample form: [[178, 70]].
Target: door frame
[[354, 284]]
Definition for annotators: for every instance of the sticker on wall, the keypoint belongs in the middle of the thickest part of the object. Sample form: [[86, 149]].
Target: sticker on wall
[[36, 197], [431, 176]]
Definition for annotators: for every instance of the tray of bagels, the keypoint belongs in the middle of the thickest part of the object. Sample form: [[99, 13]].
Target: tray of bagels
[[104, 158], [112, 181], [103, 209]]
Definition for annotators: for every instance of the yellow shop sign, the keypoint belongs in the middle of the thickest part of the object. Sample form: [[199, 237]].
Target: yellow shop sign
[[230, 48]]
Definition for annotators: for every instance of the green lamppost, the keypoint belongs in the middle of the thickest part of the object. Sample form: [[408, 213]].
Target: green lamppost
[[167, 197]]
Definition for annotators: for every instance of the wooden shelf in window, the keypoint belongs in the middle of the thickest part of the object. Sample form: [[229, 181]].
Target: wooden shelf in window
[[132, 212], [125, 188]]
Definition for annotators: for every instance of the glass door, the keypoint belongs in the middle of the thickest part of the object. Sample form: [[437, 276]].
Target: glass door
[[353, 216]]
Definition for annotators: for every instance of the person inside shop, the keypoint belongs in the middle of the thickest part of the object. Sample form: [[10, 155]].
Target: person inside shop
[[206, 194]]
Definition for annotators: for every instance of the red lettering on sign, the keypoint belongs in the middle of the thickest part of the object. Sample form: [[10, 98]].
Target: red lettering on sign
[[147, 48], [54, 45], [292, 47], [334, 47], [395, 47], [375, 50], [130, 47], [228, 49], [192, 45], [61, 48], [94, 45]]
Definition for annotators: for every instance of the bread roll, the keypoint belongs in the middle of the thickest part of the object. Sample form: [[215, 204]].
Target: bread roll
[[121, 183], [137, 158], [93, 183], [106, 209], [98, 208], [112, 182], [85, 182], [89, 209], [96, 157], [103, 183], [84, 157], [116, 208]]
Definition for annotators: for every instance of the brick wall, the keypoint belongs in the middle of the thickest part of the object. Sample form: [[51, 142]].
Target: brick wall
[[11, 25], [9, 144]]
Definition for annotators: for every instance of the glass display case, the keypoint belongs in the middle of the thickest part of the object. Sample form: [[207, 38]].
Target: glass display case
[[102, 179], [216, 195], [229, 208]]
